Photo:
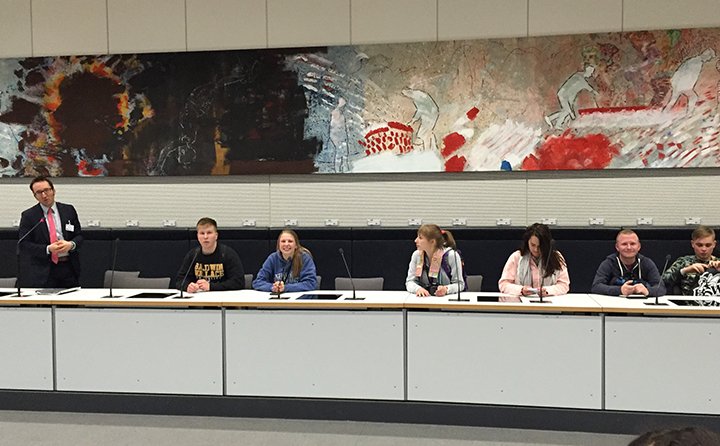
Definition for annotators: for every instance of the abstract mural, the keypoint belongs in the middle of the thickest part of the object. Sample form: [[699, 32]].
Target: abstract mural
[[646, 99]]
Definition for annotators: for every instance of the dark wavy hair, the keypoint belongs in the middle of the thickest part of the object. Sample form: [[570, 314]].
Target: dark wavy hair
[[550, 259]]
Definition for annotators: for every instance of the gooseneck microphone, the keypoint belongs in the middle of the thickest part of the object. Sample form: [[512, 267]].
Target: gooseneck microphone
[[112, 269], [459, 273], [17, 253], [182, 284], [542, 269], [352, 282], [657, 295], [283, 279]]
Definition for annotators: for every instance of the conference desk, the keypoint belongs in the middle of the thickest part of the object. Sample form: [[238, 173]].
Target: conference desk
[[576, 351]]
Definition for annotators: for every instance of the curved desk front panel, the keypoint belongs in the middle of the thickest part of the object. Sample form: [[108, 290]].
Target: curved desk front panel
[[315, 353], [139, 350], [26, 348], [517, 359]]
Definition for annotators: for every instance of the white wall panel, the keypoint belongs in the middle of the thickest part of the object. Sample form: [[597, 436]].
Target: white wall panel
[[477, 19], [15, 28], [293, 23], [226, 24], [375, 21], [547, 17], [113, 204], [69, 27], [140, 26], [394, 202], [661, 14], [621, 200]]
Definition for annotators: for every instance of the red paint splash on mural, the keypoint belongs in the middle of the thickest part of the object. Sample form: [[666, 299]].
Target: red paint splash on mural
[[570, 152], [451, 143], [455, 164]]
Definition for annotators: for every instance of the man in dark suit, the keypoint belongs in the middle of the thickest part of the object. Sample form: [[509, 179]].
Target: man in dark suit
[[50, 251]]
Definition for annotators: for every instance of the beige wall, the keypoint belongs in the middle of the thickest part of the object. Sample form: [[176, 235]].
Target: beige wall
[[61, 27]]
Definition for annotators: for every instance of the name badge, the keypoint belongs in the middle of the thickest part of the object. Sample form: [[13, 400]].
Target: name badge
[[69, 227]]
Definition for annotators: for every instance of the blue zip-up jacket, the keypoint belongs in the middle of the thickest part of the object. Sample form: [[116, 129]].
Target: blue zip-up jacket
[[276, 268]]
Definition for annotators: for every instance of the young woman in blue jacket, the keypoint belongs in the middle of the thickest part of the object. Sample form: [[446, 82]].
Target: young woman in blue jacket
[[290, 268]]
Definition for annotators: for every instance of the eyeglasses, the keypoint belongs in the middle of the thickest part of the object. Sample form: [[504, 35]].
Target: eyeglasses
[[43, 191]]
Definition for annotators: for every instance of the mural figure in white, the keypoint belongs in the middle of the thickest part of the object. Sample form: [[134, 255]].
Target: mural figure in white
[[684, 79], [339, 137], [426, 113], [567, 96]]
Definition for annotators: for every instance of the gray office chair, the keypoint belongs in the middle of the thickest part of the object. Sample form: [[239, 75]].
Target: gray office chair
[[119, 278], [474, 283], [146, 282], [319, 280], [7, 282], [361, 283], [248, 281]]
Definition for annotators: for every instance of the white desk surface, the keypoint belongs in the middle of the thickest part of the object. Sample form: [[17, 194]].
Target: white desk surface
[[617, 304], [554, 304], [583, 303]]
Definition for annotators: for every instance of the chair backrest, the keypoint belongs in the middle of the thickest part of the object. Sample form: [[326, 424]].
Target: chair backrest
[[361, 283], [474, 282], [7, 282], [248, 281], [319, 280], [147, 282], [119, 278]]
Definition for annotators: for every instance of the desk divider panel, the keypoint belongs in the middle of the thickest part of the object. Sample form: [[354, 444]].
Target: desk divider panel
[[96, 256], [383, 253], [153, 252]]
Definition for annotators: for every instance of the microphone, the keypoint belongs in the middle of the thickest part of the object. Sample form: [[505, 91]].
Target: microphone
[[657, 297], [112, 269], [17, 253], [352, 282], [283, 279], [459, 273], [182, 284], [542, 270]]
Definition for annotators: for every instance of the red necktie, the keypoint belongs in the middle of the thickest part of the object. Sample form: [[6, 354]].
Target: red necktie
[[53, 234]]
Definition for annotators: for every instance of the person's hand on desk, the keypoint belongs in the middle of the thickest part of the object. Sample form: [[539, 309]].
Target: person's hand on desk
[[192, 287], [441, 291], [278, 287], [203, 285], [422, 292], [640, 289], [627, 288], [528, 291]]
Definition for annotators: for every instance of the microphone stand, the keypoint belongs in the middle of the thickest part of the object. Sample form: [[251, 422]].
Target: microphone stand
[[352, 282], [17, 253], [657, 297], [182, 284], [112, 270], [459, 273]]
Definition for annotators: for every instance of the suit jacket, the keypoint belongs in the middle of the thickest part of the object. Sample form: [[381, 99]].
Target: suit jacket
[[35, 261]]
